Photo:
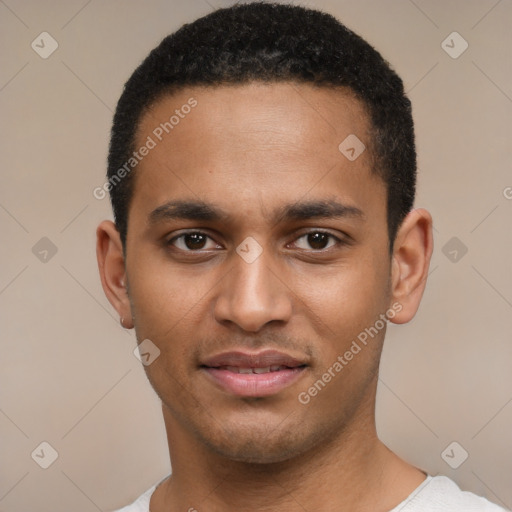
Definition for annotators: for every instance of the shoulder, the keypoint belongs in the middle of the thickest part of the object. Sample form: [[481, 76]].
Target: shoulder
[[440, 494], [141, 504]]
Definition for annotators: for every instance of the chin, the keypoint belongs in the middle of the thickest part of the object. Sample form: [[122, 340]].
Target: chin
[[267, 444], [256, 451]]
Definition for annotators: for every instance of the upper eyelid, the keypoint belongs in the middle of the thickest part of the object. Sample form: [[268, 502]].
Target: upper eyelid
[[339, 240], [319, 230], [191, 232]]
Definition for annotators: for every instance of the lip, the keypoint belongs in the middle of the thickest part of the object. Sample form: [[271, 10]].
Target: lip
[[223, 370]]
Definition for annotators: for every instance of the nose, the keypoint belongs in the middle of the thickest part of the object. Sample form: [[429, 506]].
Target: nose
[[252, 295]]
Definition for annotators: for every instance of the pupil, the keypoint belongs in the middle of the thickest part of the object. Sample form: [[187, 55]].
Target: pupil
[[318, 240], [194, 241]]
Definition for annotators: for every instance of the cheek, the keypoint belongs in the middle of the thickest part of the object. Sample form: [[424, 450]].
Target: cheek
[[163, 299], [345, 308], [167, 312], [342, 307], [346, 299]]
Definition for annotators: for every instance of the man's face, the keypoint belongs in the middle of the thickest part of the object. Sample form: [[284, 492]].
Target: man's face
[[265, 269]]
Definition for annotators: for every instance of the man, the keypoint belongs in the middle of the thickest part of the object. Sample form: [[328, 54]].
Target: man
[[262, 174]]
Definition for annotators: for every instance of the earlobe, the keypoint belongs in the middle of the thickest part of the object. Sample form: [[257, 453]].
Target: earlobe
[[410, 263], [109, 253]]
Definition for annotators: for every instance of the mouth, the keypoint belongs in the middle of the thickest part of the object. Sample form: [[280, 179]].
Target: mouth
[[261, 374]]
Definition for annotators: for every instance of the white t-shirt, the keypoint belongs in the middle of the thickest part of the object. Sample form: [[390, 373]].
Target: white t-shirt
[[435, 494]]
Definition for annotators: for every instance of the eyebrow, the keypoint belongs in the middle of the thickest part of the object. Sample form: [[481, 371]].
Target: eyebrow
[[208, 212], [319, 209]]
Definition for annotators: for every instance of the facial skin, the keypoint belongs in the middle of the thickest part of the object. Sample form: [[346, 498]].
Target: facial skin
[[252, 152]]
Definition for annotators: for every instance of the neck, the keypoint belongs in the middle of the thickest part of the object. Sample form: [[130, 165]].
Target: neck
[[353, 471]]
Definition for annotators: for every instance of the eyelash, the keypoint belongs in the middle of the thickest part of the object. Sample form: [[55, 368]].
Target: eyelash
[[337, 240]]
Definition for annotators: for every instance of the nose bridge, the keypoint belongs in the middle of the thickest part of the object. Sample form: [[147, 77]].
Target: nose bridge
[[252, 295]]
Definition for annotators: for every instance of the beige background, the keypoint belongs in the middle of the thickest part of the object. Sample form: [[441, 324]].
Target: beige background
[[68, 374]]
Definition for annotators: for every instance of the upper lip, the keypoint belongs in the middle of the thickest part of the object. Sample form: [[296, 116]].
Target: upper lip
[[261, 359]]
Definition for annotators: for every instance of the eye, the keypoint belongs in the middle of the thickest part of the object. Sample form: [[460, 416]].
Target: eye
[[317, 240], [193, 241]]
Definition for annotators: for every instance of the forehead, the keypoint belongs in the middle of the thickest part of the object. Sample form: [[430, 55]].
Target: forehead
[[258, 143], [281, 110]]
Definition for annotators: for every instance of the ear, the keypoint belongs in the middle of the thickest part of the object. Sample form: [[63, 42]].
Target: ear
[[412, 252], [109, 252]]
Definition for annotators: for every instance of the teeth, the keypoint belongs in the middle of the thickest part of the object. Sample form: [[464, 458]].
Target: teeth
[[247, 371], [261, 370]]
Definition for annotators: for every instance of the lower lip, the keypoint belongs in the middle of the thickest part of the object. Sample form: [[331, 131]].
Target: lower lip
[[254, 384]]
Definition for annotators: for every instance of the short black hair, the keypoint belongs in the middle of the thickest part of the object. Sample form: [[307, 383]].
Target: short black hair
[[271, 42]]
